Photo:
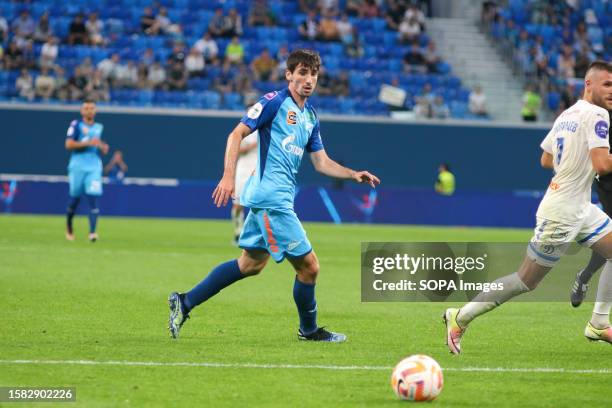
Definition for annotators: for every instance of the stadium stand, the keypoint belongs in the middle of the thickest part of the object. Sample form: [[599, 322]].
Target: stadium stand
[[124, 39]]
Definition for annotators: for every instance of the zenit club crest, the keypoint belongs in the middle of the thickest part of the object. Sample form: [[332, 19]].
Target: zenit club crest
[[291, 117]]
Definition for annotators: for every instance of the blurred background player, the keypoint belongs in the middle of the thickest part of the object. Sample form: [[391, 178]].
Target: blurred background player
[[116, 168], [577, 147], [244, 168], [84, 141], [603, 185], [288, 126], [446, 180]]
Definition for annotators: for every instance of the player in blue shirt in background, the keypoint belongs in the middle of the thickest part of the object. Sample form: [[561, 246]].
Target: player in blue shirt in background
[[287, 127], [84, 141]]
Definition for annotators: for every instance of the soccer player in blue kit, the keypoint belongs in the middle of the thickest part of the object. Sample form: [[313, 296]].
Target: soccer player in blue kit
[[84, 140], [287, 127]]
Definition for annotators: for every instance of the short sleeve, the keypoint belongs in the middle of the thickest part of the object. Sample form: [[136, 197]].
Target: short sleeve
[[314, 141], [73, 130], [263, 112], [547, 143], [597, 130]]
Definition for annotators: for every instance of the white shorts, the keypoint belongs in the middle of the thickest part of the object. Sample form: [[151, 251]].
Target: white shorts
[[242, 175], [552, 238]]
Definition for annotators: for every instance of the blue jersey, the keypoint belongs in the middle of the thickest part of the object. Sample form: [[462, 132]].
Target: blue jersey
[[285, 132], [86, 159]]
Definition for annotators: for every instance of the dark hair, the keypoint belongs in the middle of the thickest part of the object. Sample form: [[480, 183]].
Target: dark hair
[[308, 58], [446, 166], [89, 100], [600, 65]]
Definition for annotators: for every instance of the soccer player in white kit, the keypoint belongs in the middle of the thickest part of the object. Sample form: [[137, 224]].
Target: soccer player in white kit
[[577, 147], [244, 168]]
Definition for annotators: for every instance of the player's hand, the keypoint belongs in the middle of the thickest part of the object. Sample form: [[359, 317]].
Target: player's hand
[[103, 147], [223, 192], [95, 142], [366, 177]]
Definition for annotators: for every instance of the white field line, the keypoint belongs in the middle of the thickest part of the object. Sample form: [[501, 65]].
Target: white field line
[[298, 366]]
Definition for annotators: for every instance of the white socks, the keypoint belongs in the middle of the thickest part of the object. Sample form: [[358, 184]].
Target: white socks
[[603, 301], [484, 302]]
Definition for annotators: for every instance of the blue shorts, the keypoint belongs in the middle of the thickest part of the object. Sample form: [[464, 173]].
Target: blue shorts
[[277, 231], [88, 182]]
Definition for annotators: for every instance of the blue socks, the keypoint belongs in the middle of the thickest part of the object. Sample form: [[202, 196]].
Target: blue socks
[[220, 277], [93, 213], [304, 296], [72, 206]]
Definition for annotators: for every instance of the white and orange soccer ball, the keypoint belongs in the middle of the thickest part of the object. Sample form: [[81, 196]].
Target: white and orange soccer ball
[[417, 378]]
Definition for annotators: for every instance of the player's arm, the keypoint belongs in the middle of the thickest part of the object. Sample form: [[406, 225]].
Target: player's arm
[[546, 160], [72, 144], [602, 160], [225, 188], [324, 165], [247, 148]]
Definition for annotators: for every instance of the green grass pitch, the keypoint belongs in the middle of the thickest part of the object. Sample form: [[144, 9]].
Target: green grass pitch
[[78, 302]]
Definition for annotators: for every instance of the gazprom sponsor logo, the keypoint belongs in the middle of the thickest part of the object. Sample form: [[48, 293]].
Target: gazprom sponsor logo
[[289, 147]]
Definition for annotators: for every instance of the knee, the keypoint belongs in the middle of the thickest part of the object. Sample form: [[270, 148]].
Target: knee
[[310, 271], [250, 266]]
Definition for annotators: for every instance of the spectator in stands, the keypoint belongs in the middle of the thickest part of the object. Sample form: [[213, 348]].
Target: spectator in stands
[[234, 52], [178, 53], [324, 82], [309, 27], [48, 53], [531, 104], [329, 8], [224, 82], [328, 30], [97, 88], [86, 67], [566, 63], [177, 77], [260, 14], [216, 27], [354, 48], [264, 66], [116, 168], [25, 85], [148, 57], [281, 57], [431, 57], [568, 96], [127, 75], [13, 57], [44, 86], [340, 85], [409, 30], [582, 63], [395, 14], [369, 9], [414, 61], [233, 24], [208, 48], [353, 7], [156, 77], [581, 37], [249, 94], [28, 56], [77, 32], [242, 79], [478, 102], [345, 29], [147, 22], [61, 84], [439, 109], [415, 12], [422, 108], [76, 85], [143, 71], [108, 67], [23, 28], [310, 6], [43, 29], [194, 63], [94, 28], [4, 28]]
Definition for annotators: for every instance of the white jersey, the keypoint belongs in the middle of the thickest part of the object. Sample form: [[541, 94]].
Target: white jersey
[[576, 131], [246, 163]]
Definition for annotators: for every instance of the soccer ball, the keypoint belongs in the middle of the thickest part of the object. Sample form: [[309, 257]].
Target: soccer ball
[[417, 378]]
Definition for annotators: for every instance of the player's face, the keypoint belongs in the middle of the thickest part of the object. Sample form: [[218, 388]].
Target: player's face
[[303, 80], [88, 111], [601, 87]]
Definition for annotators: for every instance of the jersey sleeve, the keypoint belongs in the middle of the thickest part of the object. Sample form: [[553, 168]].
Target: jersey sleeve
[[597, 130], [547, 143], [73, 131], [263, 112], [314, 141]]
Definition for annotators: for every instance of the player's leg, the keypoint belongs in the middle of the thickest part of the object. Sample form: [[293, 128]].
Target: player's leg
[[93, 190], [581, 283], [307, 270], [237, 220], [598, 328], [76, 184], [250, 263]]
